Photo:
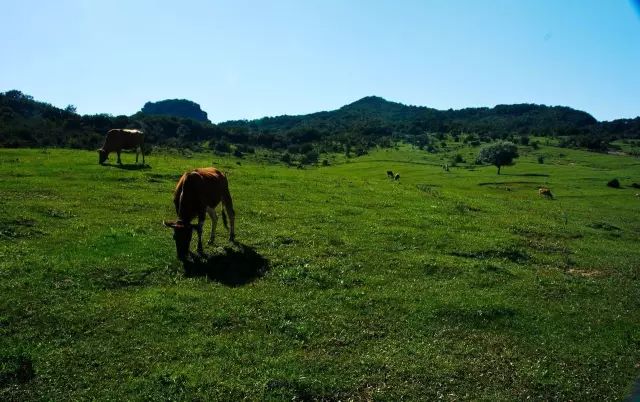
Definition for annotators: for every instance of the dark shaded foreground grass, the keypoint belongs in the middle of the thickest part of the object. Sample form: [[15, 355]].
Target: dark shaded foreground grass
[[458, 285]]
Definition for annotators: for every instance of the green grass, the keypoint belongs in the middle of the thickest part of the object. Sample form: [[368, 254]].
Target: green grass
[[344, 284]]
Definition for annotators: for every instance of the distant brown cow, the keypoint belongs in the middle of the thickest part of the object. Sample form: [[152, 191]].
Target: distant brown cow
[[198, 193], [397, 176], [121, 138], [390, 174], [545, 192]]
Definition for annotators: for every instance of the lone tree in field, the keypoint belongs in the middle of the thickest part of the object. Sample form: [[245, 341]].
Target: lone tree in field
[[501, 153]]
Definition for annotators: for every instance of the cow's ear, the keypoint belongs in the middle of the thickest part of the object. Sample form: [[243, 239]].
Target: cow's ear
[[169, 224]]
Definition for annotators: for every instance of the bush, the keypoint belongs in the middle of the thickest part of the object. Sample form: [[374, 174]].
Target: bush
[[541, 159], [310, 157], [615, 183], [222, 147], [499, 153], [635, 185], [286, 158]]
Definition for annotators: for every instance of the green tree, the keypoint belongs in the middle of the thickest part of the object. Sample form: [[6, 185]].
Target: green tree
[[500, 153]]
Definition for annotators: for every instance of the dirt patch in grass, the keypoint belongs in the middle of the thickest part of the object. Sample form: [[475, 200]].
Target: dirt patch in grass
[[586, 273]]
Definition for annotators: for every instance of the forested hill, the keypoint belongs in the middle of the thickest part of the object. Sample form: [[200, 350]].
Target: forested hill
[[367, 122], [375, 115], [177, 108]]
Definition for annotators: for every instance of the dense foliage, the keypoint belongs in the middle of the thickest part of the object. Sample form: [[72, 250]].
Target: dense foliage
[[499, 154], [352, 129]]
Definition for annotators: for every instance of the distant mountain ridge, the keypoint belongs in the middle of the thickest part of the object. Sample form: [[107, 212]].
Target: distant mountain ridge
[[521, 119], [365, 123]]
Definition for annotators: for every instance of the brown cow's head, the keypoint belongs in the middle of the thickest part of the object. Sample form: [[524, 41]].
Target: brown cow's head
[[182, 233], [102, 155]]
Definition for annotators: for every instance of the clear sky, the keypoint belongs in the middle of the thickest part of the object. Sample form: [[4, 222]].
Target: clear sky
[[248, 59]]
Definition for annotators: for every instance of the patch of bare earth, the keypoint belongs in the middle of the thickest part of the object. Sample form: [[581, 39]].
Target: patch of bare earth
[[586, 273]]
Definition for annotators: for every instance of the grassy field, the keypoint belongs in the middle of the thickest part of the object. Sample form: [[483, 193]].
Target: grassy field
[[458, 285]]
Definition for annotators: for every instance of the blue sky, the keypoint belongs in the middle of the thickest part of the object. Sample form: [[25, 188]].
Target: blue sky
[[249, 59]]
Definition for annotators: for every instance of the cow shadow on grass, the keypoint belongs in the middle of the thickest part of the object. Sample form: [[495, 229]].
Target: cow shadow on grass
[[233, 265]]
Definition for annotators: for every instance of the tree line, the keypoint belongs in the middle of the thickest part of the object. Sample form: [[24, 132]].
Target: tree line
[[352, 129]]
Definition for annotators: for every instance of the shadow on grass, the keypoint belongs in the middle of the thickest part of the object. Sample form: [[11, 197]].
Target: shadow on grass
[[526, 174], [128, 167], [15, 370], [497, 183], [236, 265]]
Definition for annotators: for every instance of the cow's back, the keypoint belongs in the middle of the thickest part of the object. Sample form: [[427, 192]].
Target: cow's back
[[212, 186], [199, 189], [120, 138]]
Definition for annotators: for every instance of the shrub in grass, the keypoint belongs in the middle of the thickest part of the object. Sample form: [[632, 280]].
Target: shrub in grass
[[635, 185], [286, 158], [499, 153], [615, 183], [541, 159]]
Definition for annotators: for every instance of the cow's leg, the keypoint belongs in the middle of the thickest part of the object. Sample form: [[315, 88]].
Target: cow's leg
[[201, 218], [119, 161], [142, 152], [214, 221], [136, 155]]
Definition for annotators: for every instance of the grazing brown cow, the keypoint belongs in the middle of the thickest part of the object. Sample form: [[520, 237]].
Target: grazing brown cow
[[121, 138], [198, 192]]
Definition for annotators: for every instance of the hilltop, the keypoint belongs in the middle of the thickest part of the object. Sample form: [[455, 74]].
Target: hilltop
[[177, 108]]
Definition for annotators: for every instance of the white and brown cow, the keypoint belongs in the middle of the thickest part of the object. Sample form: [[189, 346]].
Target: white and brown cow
[[121, 138], [198, 193], [545, 192]]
